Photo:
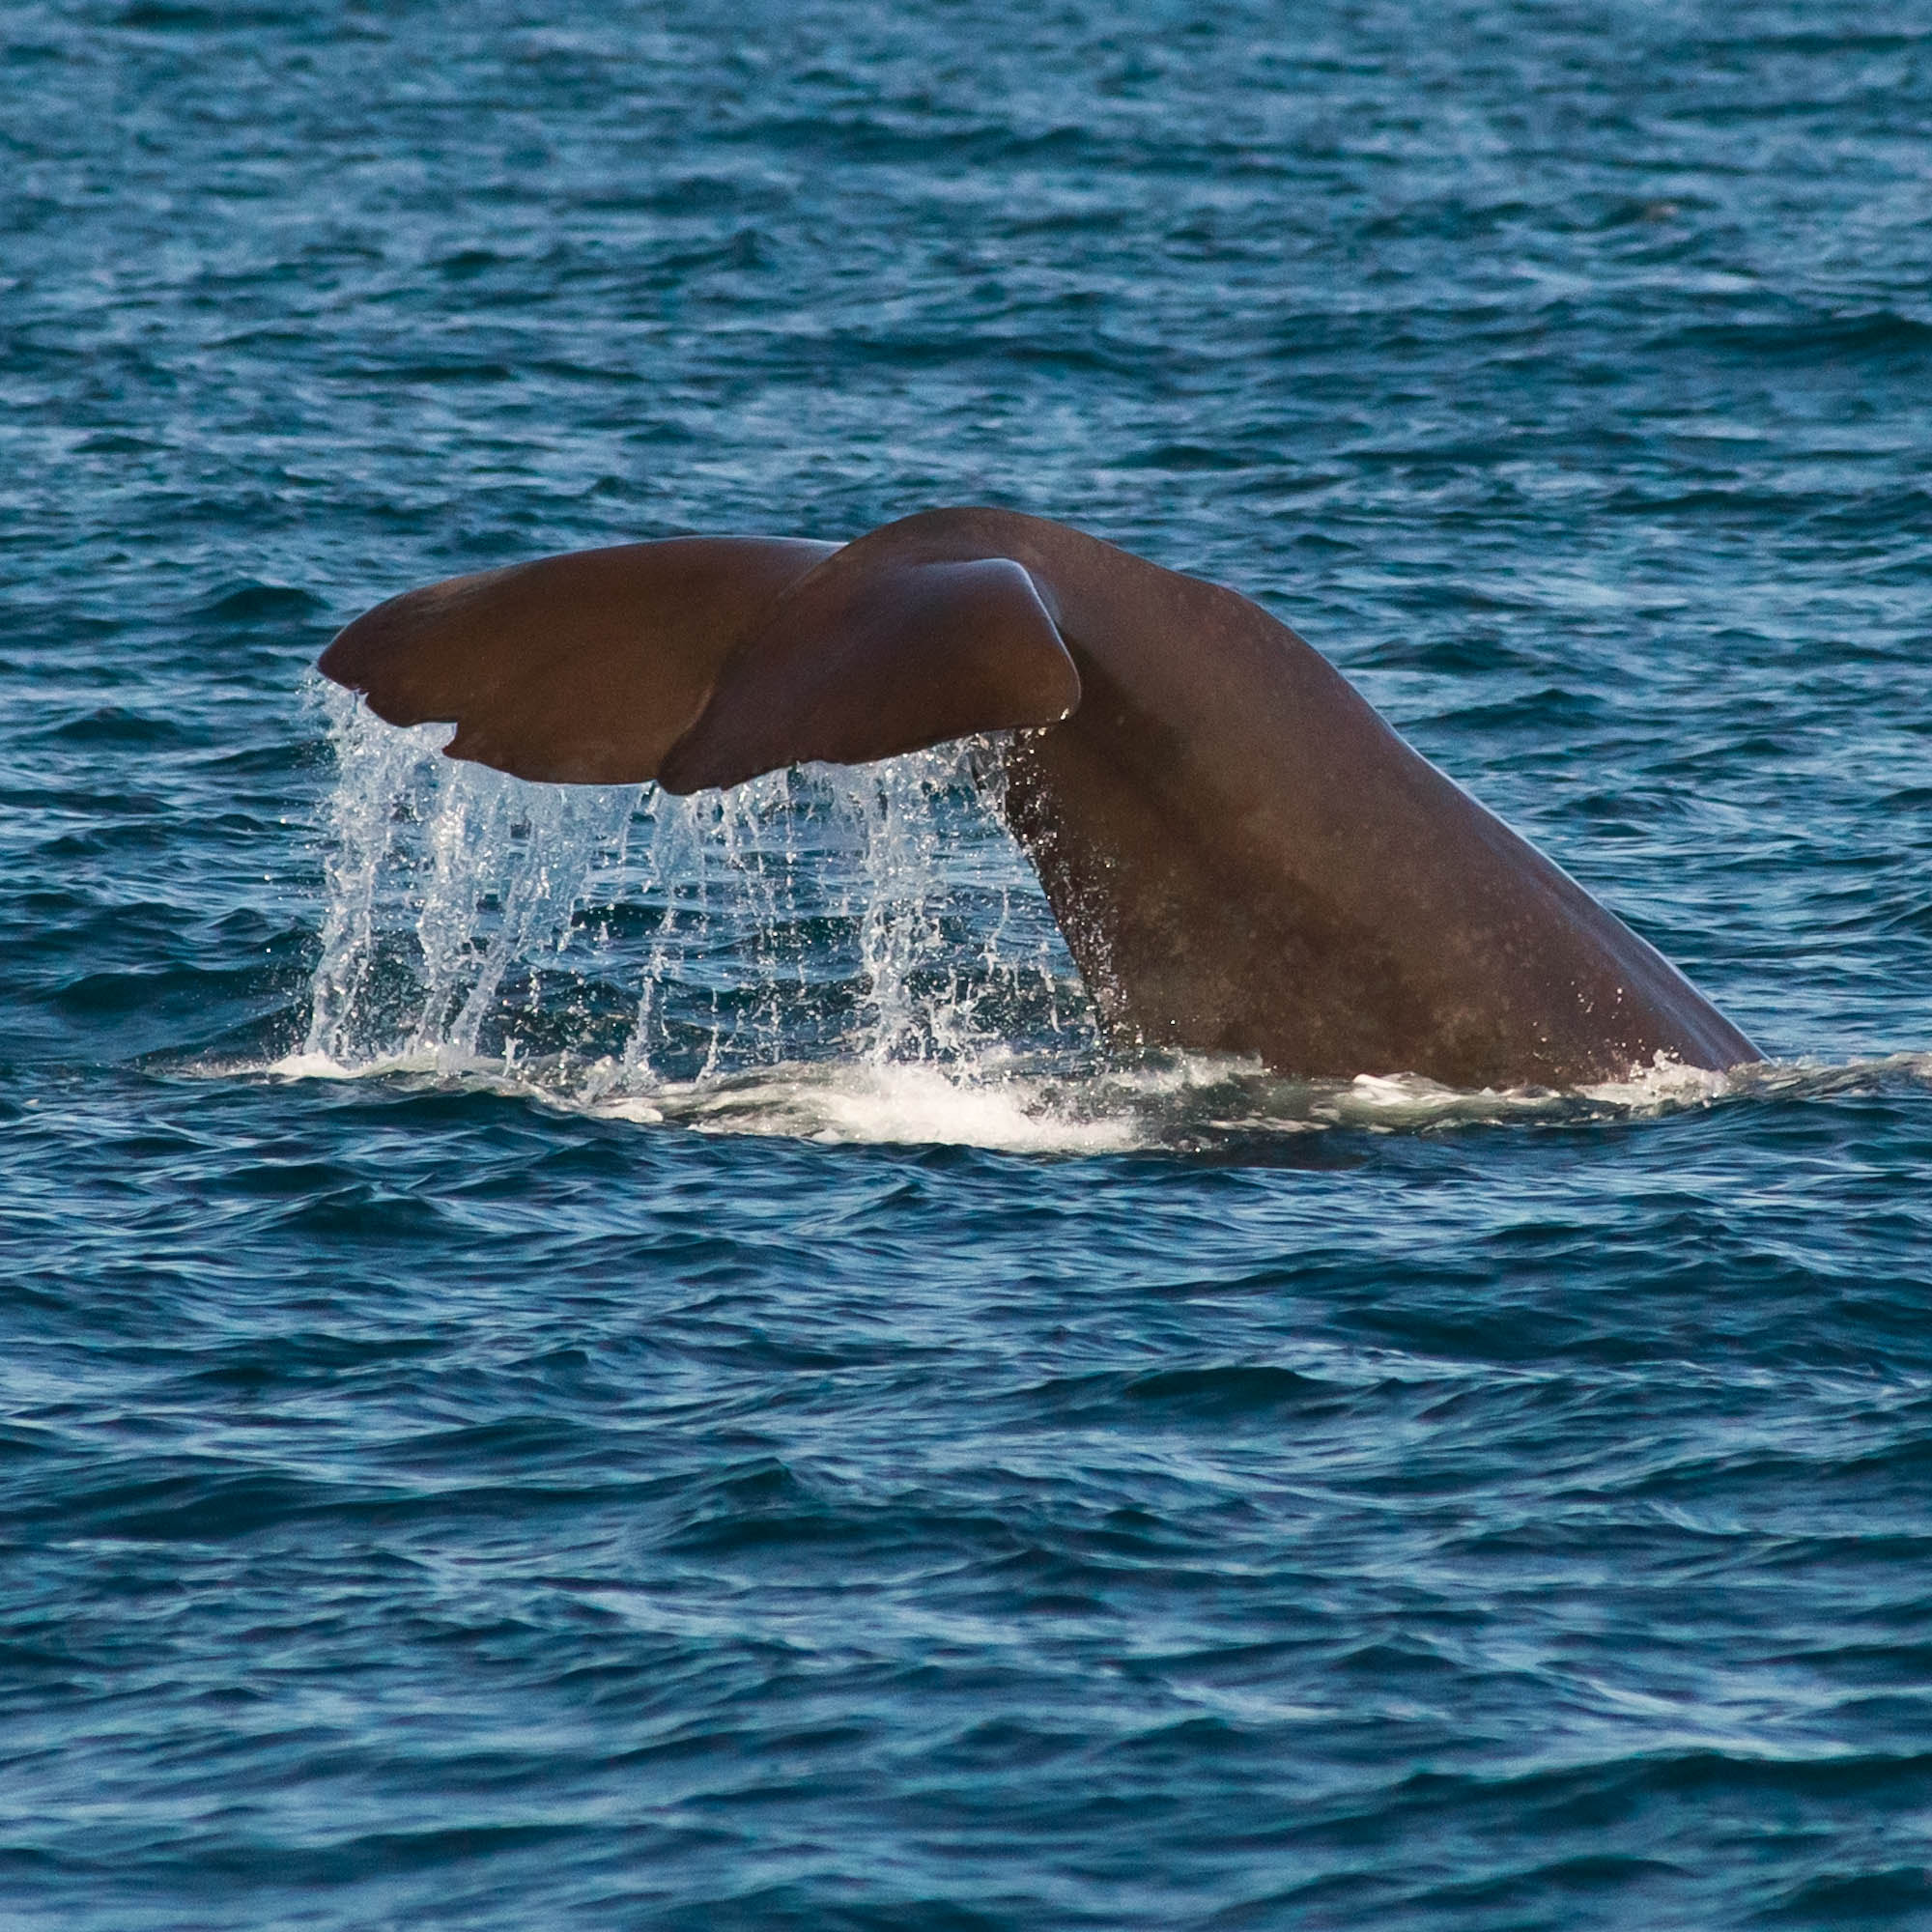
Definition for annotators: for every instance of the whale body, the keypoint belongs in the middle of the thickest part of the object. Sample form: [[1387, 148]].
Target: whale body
[[1243, 856]]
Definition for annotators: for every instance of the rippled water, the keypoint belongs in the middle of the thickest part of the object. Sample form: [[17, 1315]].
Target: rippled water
[[572, 1358]]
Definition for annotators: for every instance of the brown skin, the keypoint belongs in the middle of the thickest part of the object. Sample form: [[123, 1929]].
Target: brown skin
[[582, 670], [1243, 857]]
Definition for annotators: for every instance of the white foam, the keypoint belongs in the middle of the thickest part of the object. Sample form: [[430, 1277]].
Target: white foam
[[1039, 1104], [905, 1103], [858, 1101], [1408, 1101]]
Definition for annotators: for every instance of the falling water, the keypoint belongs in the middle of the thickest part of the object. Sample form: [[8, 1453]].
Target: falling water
[[592, 940]]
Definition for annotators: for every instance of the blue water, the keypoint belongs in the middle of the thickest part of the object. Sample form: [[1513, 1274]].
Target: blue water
[[572, 1360]]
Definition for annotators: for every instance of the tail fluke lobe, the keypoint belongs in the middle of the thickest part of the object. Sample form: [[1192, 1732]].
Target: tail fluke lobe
[[580, 669]]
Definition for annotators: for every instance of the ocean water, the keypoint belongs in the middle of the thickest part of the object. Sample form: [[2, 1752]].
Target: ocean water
[[578, 1359]]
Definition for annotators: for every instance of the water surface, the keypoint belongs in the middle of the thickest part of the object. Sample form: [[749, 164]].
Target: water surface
[[571, 1360]]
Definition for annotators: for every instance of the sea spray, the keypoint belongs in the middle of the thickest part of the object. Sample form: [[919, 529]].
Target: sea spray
[[443, 881], [475, 923]]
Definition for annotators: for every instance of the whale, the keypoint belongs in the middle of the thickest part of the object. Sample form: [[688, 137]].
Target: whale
[[1243, 856]]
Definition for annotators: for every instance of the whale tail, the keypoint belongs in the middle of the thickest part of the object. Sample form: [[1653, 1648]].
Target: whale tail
[[703, 661], [1242, 856]]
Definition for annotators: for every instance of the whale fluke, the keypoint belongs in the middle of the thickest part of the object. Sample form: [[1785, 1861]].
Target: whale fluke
[[584, 668], [701, 662], [1242, 855]]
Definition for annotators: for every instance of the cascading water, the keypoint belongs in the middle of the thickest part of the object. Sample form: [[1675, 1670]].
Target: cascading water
[[597, 941]]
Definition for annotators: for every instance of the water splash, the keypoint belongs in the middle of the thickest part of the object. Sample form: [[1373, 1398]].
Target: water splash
[[608, 941]]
